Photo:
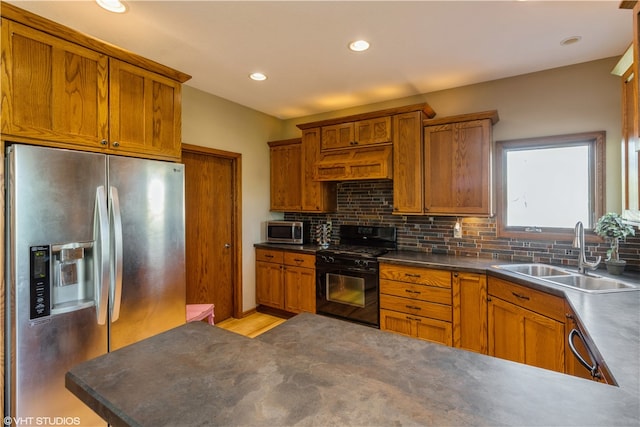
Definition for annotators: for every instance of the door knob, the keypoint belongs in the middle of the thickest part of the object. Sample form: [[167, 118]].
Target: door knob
[[227, 245]]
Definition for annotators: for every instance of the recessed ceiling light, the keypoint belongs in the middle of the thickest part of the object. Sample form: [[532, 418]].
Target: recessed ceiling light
[[112, 5], [359, 45], [257, 77], [570, 40]]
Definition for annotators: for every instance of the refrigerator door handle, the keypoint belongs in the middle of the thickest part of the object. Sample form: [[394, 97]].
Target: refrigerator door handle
[[101, 259], [116, 254]]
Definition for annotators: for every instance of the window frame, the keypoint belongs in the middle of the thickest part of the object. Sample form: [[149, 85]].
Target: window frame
[[596, 141]]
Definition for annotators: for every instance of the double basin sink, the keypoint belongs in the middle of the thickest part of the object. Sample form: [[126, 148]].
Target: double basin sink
[[587, 283]]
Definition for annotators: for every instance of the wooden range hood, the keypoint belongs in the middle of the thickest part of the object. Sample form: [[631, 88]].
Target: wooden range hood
[[360, 146]]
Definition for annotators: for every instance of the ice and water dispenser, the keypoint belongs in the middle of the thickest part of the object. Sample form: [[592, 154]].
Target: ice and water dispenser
[[62, 278]]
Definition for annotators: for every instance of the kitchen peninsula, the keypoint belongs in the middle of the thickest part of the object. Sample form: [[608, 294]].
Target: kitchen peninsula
[[314, 370]]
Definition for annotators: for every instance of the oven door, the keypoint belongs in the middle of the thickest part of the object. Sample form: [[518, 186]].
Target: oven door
[[348, 293]]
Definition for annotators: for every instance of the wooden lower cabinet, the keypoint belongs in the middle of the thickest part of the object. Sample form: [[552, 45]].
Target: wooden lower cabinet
[[526, 325], [299, 289], [416, 326], [416, 302], [269, 283], [470, 312], [286, 280]]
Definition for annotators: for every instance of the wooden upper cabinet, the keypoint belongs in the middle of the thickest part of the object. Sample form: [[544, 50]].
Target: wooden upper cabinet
[[407, 163], [337, 136], [64, 89], [145, 113], [286, 175], [317, 196], [373, 131], [354, 134], [52, 89], [457, 165], [293, 188], [628, 68]]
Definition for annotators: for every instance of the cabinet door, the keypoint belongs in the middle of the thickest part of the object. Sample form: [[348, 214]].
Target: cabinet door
[[317, 196], [337, 136], [457, 160], [52, 90], [373, 131], [145, 112], [470, 311], [407, 164], [286, 177], [523, 336], [300, 289], [506, 330], [544, 342], [269, 284]]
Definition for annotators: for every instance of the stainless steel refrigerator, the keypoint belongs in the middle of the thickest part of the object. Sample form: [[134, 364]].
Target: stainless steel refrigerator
[[95, 262]]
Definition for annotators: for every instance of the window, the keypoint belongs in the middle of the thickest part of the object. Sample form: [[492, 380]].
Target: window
[[546, 185]]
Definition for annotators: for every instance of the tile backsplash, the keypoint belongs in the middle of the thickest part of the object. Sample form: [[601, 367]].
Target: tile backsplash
[[371, 203]]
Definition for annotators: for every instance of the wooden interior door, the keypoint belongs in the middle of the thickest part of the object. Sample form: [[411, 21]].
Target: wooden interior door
[[213, 236]]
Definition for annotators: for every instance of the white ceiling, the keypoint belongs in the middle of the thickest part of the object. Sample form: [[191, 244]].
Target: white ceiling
[[416, 46]]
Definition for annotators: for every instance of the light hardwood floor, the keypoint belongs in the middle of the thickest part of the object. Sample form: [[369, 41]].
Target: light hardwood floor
[[252, 325]]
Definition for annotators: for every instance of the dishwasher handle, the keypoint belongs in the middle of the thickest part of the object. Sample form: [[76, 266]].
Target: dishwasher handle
[[594, 370]]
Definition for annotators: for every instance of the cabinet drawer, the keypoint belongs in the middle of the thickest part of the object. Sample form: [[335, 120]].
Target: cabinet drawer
[[299, 260], [419, 308], [416, 327], [531, 299], [269, 255], [424, 276], [416, 291]]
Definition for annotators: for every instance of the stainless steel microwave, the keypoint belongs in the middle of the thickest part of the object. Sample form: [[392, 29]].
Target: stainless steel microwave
[[291, 232]]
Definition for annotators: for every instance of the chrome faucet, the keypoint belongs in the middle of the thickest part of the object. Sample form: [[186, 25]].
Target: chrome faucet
[[578, 243]]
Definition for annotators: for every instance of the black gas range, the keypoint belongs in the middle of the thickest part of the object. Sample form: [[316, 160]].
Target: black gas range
[[347, 273], [362, 241]]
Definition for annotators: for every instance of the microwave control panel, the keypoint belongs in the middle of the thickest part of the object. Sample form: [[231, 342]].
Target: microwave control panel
[[40, 282]]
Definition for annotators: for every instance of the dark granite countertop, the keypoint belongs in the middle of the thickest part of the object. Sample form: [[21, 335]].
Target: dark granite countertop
[[611, 320], [313, 370]]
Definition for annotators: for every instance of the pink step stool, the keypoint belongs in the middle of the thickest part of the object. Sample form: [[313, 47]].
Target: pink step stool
[[197, 312]]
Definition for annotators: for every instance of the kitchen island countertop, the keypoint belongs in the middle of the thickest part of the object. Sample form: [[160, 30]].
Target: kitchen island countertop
[[314, 370]]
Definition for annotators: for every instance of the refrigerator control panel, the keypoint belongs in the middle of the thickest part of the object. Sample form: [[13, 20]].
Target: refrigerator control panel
[[40, 278]]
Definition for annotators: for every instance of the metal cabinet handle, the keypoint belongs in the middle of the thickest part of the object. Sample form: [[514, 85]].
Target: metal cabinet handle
[[592, 369], [413, 318], [410, 291], [524, 297], [268, 256], [413, 307], [104, 142], [412, 275], [116, 144]]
